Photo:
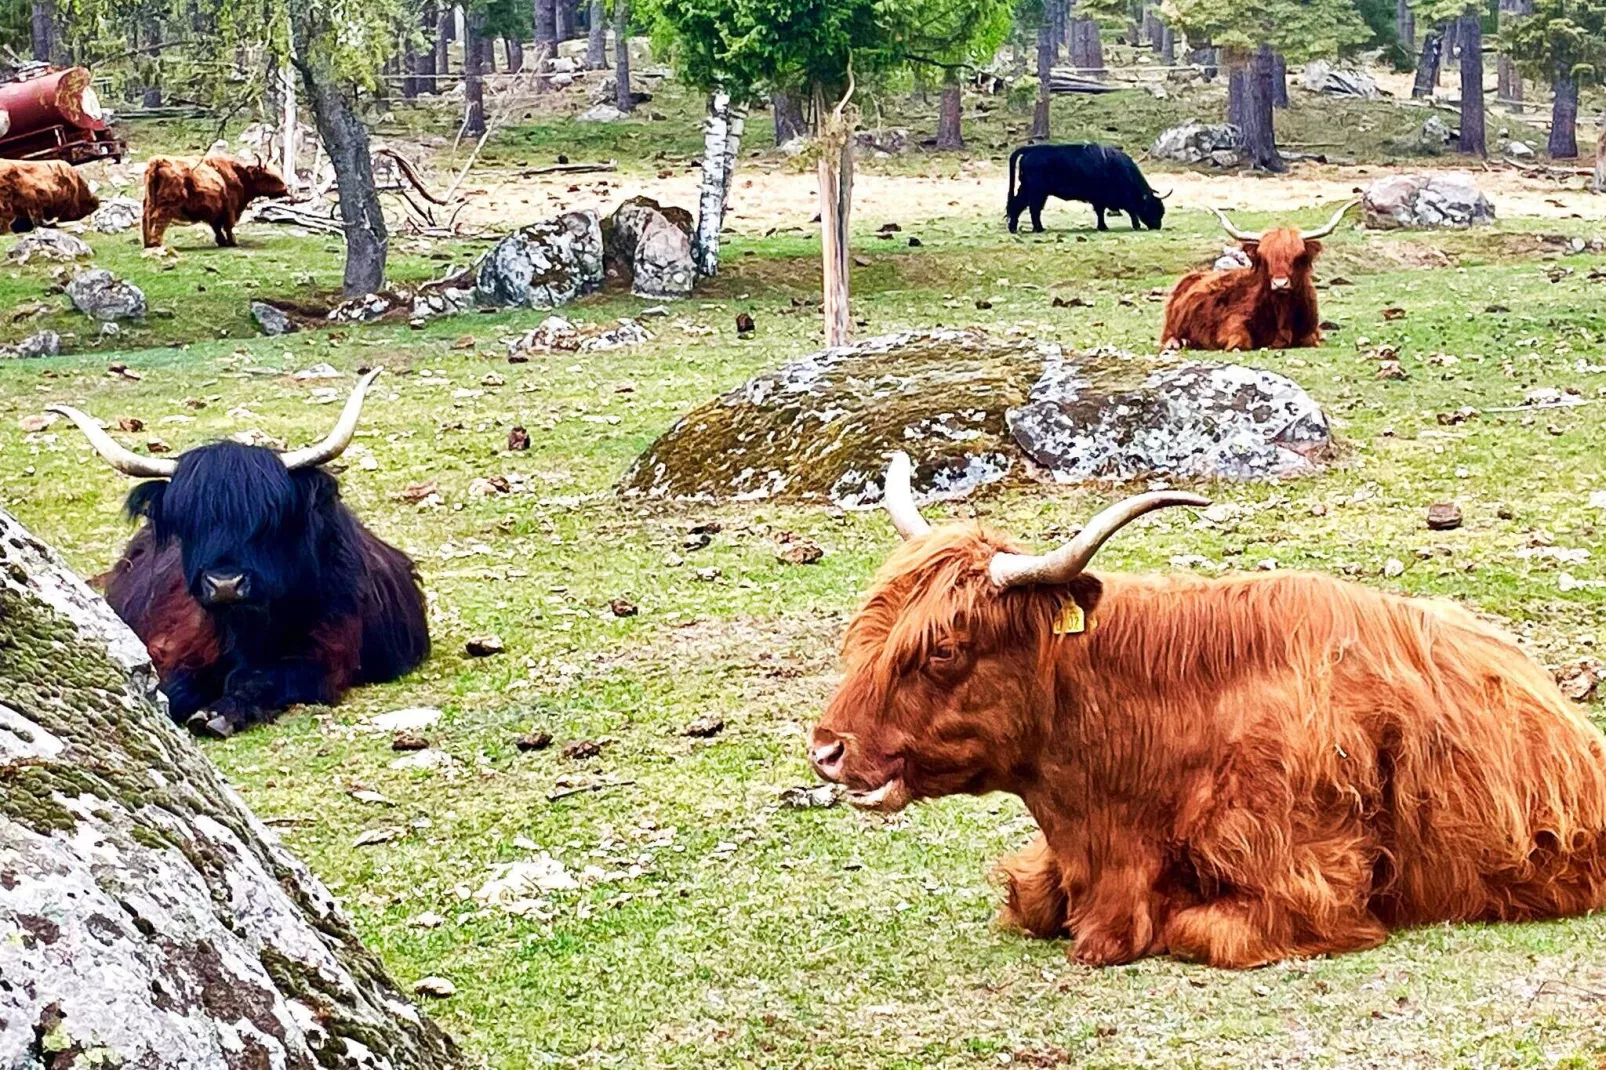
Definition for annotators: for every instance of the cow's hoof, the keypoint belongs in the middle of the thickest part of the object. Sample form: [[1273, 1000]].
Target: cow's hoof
[[210, 726]]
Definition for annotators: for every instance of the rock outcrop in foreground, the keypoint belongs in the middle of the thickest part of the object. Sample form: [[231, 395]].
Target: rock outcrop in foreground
[[972, 410], [147, 919]]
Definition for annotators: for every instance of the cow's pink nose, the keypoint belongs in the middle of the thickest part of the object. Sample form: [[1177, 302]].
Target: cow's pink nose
[[1280, 282], [827, 759]]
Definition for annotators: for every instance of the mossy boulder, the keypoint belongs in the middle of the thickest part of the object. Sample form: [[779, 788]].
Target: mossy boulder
[[971, 410], [543, 265]]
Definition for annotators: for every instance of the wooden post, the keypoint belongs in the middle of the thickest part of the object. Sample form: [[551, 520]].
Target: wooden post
[[835, 170]]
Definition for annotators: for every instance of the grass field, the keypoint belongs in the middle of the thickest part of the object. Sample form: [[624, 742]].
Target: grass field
[[722, 927]]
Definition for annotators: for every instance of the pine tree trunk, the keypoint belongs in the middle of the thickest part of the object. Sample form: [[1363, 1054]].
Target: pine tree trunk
[[1599, 183], [1427, 65], [1260, 134], [443, 40], [1208, 58], [515, 55], [1279, 80], [624, 100], [46, 39], [1471, 42], [154, 920], [1087, 51], [546, 41], [563, 20], [1564, 118], [1045, 66], [1238, 95], [1509, 88], [788, 113], [950, 134], [1168, 46], [597, 37], [1405, 24], [424, 62], [345, 138], [475, 48]]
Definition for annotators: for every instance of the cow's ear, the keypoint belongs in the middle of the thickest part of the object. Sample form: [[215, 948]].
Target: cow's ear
[[1313, 248], [1250, 247], [145, 500], [319, 489], [1087, 590]]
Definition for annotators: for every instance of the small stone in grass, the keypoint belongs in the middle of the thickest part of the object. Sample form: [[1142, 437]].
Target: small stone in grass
[[408, 741], [1444, 516], [483, 646], [518, 439], [579, 749], [623, 607], [706, 726], [798, 550], [435, 987], [540, 739]]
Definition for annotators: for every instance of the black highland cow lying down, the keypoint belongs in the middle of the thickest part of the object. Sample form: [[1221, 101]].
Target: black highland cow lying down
[[251, 583], [1104, 177]]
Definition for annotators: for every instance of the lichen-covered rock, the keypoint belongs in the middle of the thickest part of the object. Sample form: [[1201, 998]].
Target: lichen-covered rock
[[100, 295], [970, 410], [1319, 76], [821, 428], [1197, 421], [39, 344], [650, 244], [147, 919], [1216, 144], [1442, 199], [271, 319], [115, 215], [49, 244], [543, 265]]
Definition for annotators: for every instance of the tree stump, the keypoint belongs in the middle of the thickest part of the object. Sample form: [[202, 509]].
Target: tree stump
[[146, 917]]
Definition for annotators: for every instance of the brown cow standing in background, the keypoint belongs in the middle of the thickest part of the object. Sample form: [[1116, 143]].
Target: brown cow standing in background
[[1234, 770], [1269, 305], [33, 193], [213, 190]]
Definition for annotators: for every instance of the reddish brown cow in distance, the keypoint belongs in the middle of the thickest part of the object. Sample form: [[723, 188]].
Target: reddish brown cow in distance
[[213, 190], [1269, 305], [1234, 770], [33, 193]]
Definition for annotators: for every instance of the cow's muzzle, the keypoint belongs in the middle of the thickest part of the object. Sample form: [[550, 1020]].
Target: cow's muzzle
[[225, 588], [1281, 282]]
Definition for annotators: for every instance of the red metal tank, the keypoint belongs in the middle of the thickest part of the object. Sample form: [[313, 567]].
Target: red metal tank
[[55, 115]]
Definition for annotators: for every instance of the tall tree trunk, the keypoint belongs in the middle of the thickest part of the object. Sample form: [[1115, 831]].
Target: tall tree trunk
[[546, 40], [950, 134], [1238, 94], [1260, 133], [46, 39], [1427, 64], [597, 37], [1279, 80], [1045, 66], [475, 48], [161, 923], [563, 20], [1168, 45], [445, 26], [1599, 183], [345, 138], [1564, 118], [289, 128], [1087, 51], [835, 171], [1208, 58], [788, 112], [1405, 24], [424, 61], [515, 55], [1509, 88], [1471, 42], [722, 139], [624, 99]]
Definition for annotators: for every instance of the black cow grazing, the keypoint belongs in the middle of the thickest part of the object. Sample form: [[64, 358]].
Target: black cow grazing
[[252, 585], [1104, 177]]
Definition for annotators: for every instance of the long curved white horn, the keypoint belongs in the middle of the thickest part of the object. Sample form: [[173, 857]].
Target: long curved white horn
[[900, 500], [333, 446], [1227, 225], [1066, 563], [124, 460], [1332, 224]]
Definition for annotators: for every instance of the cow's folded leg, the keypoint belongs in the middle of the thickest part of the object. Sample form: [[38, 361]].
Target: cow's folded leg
[[186, 694], [1034, 889], [1240, 932], [253, 695], [1119, 916]]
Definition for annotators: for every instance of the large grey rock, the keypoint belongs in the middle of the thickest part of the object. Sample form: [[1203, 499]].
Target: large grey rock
[[38, 344], [1434, 134], [1319, 76], [1197, 421], [543, 265], [99, 294], [601, 113], [116, 215], [1441, 199], [1217, 144], [270, 320], [147, 918], [650, 244], [47, 243], [967, 407]]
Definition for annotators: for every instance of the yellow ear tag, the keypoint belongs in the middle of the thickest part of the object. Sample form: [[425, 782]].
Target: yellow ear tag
[[1071, 619]]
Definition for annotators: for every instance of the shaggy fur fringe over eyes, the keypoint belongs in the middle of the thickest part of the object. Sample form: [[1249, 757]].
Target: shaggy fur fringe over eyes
[[1243, 769]]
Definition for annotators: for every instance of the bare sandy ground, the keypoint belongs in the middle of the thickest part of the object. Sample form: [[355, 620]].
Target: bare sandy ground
[[767, 196]]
